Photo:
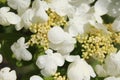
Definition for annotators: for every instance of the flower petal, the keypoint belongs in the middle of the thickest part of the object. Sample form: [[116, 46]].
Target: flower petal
[[56, 35], [59, 60], [1, 58], [13, 18], [35, 77]]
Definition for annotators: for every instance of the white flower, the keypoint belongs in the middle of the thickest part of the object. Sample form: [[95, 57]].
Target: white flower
[[76, 24], [79, 69], [101, 7], [34, 15], [35, 77], [56, 35], [60, 40], [7, 18], [1, 58], [40, 8], [7, 74], [62, 7], [26, 20], [19, 5], [111, 67], [48, 63], [20, 51]]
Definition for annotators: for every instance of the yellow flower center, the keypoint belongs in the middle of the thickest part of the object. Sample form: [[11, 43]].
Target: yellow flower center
[[96, 44]]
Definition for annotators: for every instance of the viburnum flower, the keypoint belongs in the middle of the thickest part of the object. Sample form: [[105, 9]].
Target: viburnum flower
[[7, 18], [26, 20], [62, 7], [19, 50], [1, 58], [34, 15], [40, 8], [111, 67], [60, 40], [35, 77], [19, 5], [79, 69], [7, 74], [48, 63]]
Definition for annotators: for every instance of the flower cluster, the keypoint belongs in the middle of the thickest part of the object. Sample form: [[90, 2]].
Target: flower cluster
[[59, 40]]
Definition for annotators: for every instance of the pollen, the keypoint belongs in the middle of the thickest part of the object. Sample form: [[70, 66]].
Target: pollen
[[40, 30], [57, 76], [56, 19], [96, 44]]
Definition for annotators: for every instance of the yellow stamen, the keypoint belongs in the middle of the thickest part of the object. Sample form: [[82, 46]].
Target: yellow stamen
[[96, 44]]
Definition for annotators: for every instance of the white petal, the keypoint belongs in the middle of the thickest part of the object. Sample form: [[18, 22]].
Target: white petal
[[21, 41], [40, 16], [100, 71], [26, 55], [7, 74], [49, 52], [101, 7], [27, 18], [98, 18], [39, 4], [71, 58], [3, 20], [19, 25], [116, 25], [4, 9], [65, 50], [13, 18], [15, 51], [79, 2], [59, 59], [1, 58], [35, 77], [49, 70], [20, 5], [92, 73], [41, 61], [56, 35], [79, 70]]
